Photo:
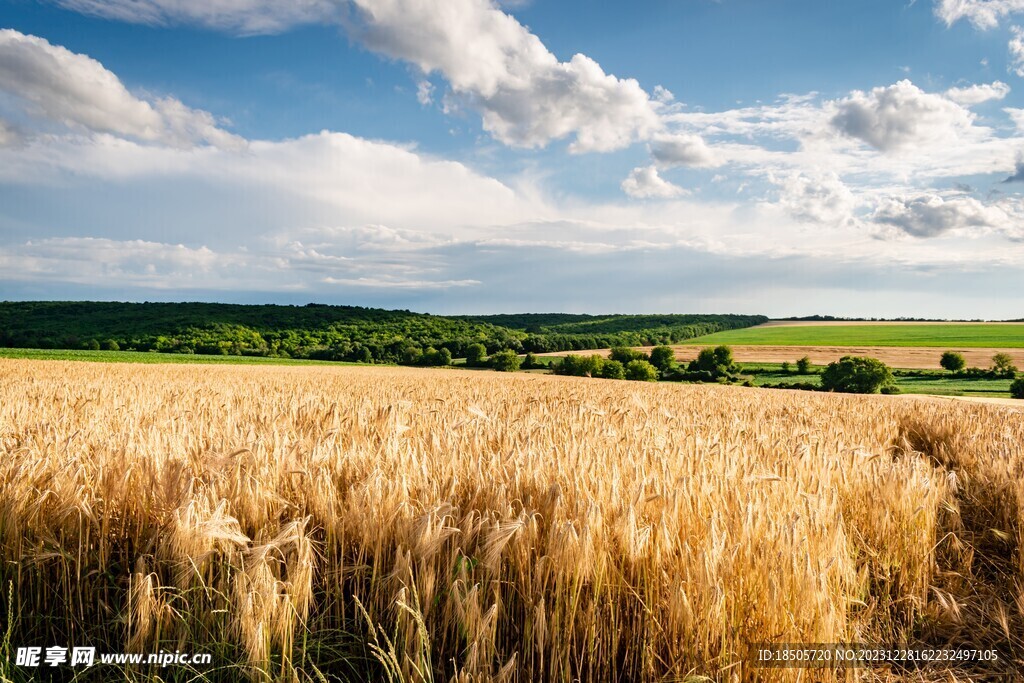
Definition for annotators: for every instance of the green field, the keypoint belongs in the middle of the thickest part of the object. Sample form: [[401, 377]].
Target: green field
[[144, 357], [927, 382], [965, 335]]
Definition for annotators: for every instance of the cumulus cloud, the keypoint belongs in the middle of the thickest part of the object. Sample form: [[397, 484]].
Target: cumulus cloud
[[899, 116], [821, 199], [930, 215], [683, 150], [645, 183], [978, 93], [525, 95], [982, 14], [74, 90]]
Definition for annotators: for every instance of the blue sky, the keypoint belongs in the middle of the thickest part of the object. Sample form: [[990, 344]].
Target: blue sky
[[465, 156]]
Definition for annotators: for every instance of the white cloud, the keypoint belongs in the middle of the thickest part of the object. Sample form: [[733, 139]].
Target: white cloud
[[525, 95], [798, 134], [983, 14], [240, 16], [822, 199], [1018, 173], [399, 283], [644, 182], [663, 94], [899, 116], [978, 93], [425, 92], [683, 150], [88, 260], [327, 178], [1016, 48], [400, 220], [1017, 116], [527, 98], [930, 215], [74, 90]]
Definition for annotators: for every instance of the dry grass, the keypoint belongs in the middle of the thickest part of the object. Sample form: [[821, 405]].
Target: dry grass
[[418, 525]]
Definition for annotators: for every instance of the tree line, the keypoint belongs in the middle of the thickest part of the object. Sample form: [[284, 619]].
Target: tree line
[[334, 333]]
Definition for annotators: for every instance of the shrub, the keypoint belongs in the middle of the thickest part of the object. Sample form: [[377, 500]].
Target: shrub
[[663, 358], [1002, 364], [613, 369], [856, 375], [723, 356], [592, 365], [579, 366], [566, 366], [436, 357], [530, 362], [641, 371], [475, 354], [890, 389], [412, 355], [952, 361], [111, 345], [92, 345], [803, 366], [626, 355], [1017, 388], [717, 360], [785, 366], [505, 361]]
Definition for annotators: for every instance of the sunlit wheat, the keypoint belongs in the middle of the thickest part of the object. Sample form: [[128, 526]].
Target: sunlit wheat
[[419, 525]]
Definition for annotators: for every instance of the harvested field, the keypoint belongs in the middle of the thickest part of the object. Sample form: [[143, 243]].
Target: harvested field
[[893, 356], [394, 524]]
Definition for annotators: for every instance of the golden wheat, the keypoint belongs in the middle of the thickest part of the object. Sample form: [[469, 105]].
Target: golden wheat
[[419, 525]]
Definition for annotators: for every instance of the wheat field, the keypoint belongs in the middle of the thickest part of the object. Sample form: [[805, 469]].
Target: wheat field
[[311, 524]]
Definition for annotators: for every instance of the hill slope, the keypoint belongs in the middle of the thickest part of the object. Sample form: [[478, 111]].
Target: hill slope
[[327, 332]]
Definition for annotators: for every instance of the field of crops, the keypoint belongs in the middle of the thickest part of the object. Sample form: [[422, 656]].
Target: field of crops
[[368, 523], [947, 335], [144, 357]]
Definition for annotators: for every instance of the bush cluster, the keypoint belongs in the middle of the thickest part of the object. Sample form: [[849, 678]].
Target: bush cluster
[[856, 375], [622, 363]]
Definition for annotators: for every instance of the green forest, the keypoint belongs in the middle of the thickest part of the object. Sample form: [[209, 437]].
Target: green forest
[[323, 332]]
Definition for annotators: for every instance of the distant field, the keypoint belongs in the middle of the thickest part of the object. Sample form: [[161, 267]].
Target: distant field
[[142, 357], [970, 335], [920, 357], [908, 357], [935, 385]]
